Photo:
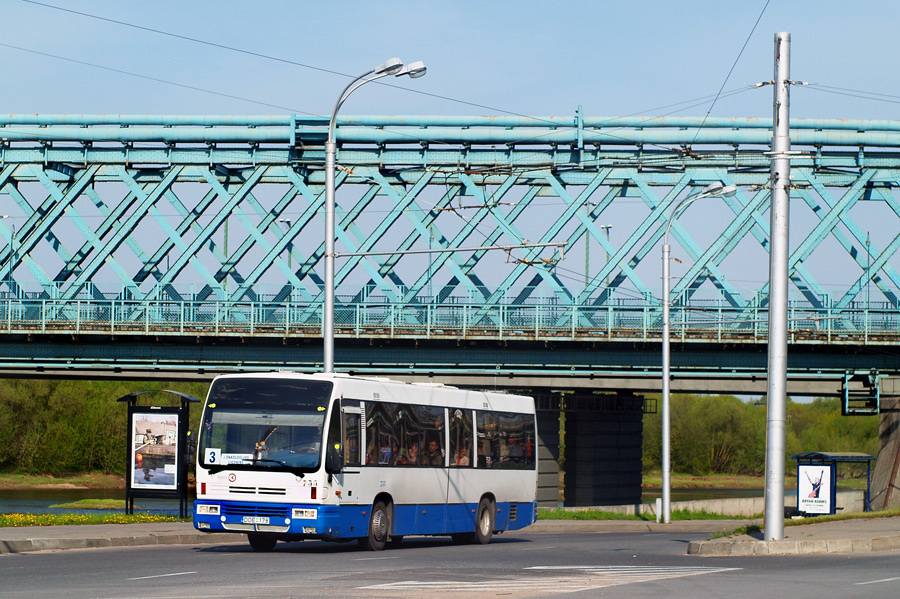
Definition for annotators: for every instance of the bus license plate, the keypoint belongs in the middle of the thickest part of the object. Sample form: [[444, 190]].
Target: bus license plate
[[255, 520]]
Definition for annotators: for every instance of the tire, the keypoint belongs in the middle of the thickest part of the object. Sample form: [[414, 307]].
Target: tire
[[262, 542], [484, 522], [379, 527]]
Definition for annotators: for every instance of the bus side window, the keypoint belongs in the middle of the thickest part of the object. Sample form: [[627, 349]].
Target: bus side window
[[488, 429], [351, 438], [460, 438], [517, 444]]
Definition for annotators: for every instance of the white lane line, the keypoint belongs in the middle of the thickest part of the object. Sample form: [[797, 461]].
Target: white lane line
[[369, 559], [878, 581], [161, 575]]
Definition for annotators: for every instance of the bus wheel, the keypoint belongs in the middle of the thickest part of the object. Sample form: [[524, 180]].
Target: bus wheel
[[262, 542], [379, 527], [484, 522]]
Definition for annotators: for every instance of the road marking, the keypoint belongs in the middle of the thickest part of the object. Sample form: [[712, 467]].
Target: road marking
[[161, 575], [580, 578], [877, 581]]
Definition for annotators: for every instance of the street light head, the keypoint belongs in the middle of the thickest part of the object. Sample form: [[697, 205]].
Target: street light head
[[728, 191], [389, 66], [414, 70], [713, 189]]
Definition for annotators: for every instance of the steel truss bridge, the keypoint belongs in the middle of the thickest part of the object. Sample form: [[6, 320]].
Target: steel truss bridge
[[192, 244]]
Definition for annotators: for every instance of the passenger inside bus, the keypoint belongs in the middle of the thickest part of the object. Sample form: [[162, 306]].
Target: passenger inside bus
[[434, 455]]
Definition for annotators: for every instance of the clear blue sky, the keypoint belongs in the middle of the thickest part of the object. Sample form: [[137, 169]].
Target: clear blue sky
[[525, 57]]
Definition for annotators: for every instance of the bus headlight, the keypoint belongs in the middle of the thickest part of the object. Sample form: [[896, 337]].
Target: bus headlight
[[306, 514], [212, 510]]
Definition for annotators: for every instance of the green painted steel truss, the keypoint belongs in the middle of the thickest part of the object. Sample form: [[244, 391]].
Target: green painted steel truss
[[223, 216]]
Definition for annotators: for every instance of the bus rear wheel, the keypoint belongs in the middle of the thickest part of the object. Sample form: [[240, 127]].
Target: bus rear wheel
[[379, 528], [484, 521], [262, 542]]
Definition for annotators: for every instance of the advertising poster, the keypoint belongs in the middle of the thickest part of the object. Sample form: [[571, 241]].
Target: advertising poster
[[154, 451], [814, 489]]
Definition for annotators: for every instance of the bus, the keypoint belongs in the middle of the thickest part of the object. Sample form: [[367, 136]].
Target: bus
[[287, 456]]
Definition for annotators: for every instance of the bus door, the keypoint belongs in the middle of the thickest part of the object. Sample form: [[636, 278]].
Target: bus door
[[352, 442], [461, 491]]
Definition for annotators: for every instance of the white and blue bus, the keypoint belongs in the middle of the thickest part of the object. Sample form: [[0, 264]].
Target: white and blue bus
[[286, 456]]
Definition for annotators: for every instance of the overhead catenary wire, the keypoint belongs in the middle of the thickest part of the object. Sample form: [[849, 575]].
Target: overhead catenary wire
[[261, 55], [731, 70]]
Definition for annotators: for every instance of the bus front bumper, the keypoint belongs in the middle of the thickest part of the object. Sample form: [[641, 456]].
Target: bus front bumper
[[289, 520]]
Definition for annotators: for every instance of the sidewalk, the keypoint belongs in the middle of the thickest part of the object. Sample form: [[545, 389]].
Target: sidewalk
[[22, 539], [843, 536], [846, 536]]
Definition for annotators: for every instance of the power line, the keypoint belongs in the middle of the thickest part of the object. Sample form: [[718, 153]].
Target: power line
[[731, 70], [149, 78], [840, 91], [321, 69]]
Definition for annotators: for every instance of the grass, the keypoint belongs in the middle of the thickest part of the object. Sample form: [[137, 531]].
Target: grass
[[653, 480], [83, 480], [837, 517], [70, 519], [563, 514], [92, 504]]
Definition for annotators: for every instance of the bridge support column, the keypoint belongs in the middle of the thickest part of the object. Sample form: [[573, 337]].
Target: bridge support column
[[548, 493], [603, 449], [886, 477]]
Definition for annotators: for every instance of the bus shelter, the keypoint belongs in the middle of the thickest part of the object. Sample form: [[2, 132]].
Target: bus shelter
[[817, 478]]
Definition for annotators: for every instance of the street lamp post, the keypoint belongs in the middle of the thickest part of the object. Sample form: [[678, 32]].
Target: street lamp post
[[606, 252], [393, 66], [715, 189], [12, 254], [287, 229]]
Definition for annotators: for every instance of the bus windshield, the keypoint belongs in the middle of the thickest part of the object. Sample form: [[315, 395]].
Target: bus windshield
[[265, 423]]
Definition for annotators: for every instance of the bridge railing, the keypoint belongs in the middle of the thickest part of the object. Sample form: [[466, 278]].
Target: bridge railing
[[637, 322]]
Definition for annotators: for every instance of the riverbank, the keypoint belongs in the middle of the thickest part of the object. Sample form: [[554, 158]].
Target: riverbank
[[653, 480], [84, 480]]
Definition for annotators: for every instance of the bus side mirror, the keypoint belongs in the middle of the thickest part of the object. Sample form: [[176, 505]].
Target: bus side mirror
[[334, 459]]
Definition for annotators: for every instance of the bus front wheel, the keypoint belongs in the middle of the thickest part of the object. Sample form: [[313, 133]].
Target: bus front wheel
[[484, 521], [379, 527], [262, 542]]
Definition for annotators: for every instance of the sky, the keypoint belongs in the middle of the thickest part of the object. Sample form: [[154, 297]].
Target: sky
[[499, 57]]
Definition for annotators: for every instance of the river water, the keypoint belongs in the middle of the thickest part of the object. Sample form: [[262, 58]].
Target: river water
[[31, 501]]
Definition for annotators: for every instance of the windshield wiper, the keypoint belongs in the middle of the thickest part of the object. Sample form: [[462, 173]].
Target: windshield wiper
[[292, 469]]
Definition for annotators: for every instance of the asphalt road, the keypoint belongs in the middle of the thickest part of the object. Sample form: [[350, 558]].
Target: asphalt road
[[524, 565]]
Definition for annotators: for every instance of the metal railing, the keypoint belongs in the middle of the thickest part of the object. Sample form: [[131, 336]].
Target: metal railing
[[625, 321]]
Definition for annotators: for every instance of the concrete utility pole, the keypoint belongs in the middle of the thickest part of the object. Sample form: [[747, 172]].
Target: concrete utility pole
[[778, 281]]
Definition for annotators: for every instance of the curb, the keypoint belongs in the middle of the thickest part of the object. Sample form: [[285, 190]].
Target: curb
[[49, 543], [726, 547]]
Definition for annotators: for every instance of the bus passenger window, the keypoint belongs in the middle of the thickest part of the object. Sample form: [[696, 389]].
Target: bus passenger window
[[431, 436], [406, 429], [381, 438], [351, 439], [460, 438], [488, 428]]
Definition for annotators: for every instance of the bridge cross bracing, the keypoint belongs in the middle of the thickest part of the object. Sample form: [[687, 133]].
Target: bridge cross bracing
[[214, 224]]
